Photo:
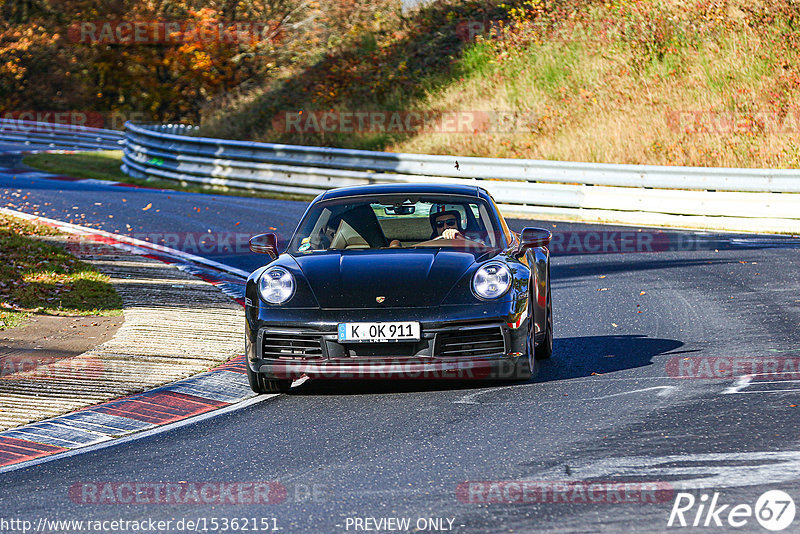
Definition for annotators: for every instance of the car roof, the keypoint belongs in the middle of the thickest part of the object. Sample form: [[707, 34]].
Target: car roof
[[412, 189]]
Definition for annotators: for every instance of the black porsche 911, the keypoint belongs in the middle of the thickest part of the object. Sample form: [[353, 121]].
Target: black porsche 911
[[416, 281]]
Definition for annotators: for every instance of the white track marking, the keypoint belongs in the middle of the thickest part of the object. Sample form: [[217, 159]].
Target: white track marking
[[703, 471], [768, 391], [470, 398], [143, 434], [150, 247], [747, 380], [741, 383]]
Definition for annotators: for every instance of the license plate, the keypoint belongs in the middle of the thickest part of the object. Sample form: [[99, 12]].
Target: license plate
[[378, 332]]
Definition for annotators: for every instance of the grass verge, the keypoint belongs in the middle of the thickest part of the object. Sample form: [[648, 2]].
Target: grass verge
[[38, 275], [105, 165], [709, 84]]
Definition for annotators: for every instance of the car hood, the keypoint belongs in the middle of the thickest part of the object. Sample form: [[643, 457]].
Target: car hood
[[408, 278]]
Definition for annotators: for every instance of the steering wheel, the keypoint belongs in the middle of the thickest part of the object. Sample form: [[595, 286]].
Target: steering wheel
[[455, 242]]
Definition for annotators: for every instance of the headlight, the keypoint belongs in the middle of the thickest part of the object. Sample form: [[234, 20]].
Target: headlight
[[276, 285], [491, 281]]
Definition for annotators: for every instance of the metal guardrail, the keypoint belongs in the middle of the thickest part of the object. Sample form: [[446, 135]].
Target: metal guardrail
[[59, 135], [716, 198]]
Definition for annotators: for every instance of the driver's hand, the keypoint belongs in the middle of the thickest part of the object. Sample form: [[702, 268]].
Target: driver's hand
[[451, 233]]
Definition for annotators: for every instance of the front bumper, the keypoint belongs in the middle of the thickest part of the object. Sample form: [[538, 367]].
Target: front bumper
[[480, 350]]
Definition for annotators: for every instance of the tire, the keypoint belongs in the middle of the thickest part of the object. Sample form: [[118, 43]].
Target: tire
[[545, 348], [261, 384]]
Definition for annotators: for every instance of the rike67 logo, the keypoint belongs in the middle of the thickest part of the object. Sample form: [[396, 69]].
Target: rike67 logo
[[774, 510]]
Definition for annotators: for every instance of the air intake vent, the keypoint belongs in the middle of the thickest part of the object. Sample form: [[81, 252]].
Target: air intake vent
[[290, 346], [477, 342]]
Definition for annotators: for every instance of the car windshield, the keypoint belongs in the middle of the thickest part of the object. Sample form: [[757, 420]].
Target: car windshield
[[384, 222]]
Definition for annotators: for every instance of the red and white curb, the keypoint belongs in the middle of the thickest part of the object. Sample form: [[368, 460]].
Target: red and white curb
[[208, 394], [187, 401]]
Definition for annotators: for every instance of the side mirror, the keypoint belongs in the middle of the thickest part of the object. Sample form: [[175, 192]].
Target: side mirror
[[265, 244], [534, 237]]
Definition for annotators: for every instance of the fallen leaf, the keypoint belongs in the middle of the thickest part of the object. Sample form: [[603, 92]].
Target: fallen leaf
[[149, 205]]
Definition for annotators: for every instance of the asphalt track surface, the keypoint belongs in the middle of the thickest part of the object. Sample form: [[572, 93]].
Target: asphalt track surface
[[636, 392]]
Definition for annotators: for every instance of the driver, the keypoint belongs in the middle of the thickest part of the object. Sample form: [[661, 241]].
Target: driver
[[446, 222]]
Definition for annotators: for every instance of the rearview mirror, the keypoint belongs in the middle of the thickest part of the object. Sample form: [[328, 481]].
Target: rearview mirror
[[399, 209], [265, 244], [534, 237]]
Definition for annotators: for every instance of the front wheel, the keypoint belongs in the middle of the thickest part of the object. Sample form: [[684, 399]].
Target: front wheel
[[261, 384]]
